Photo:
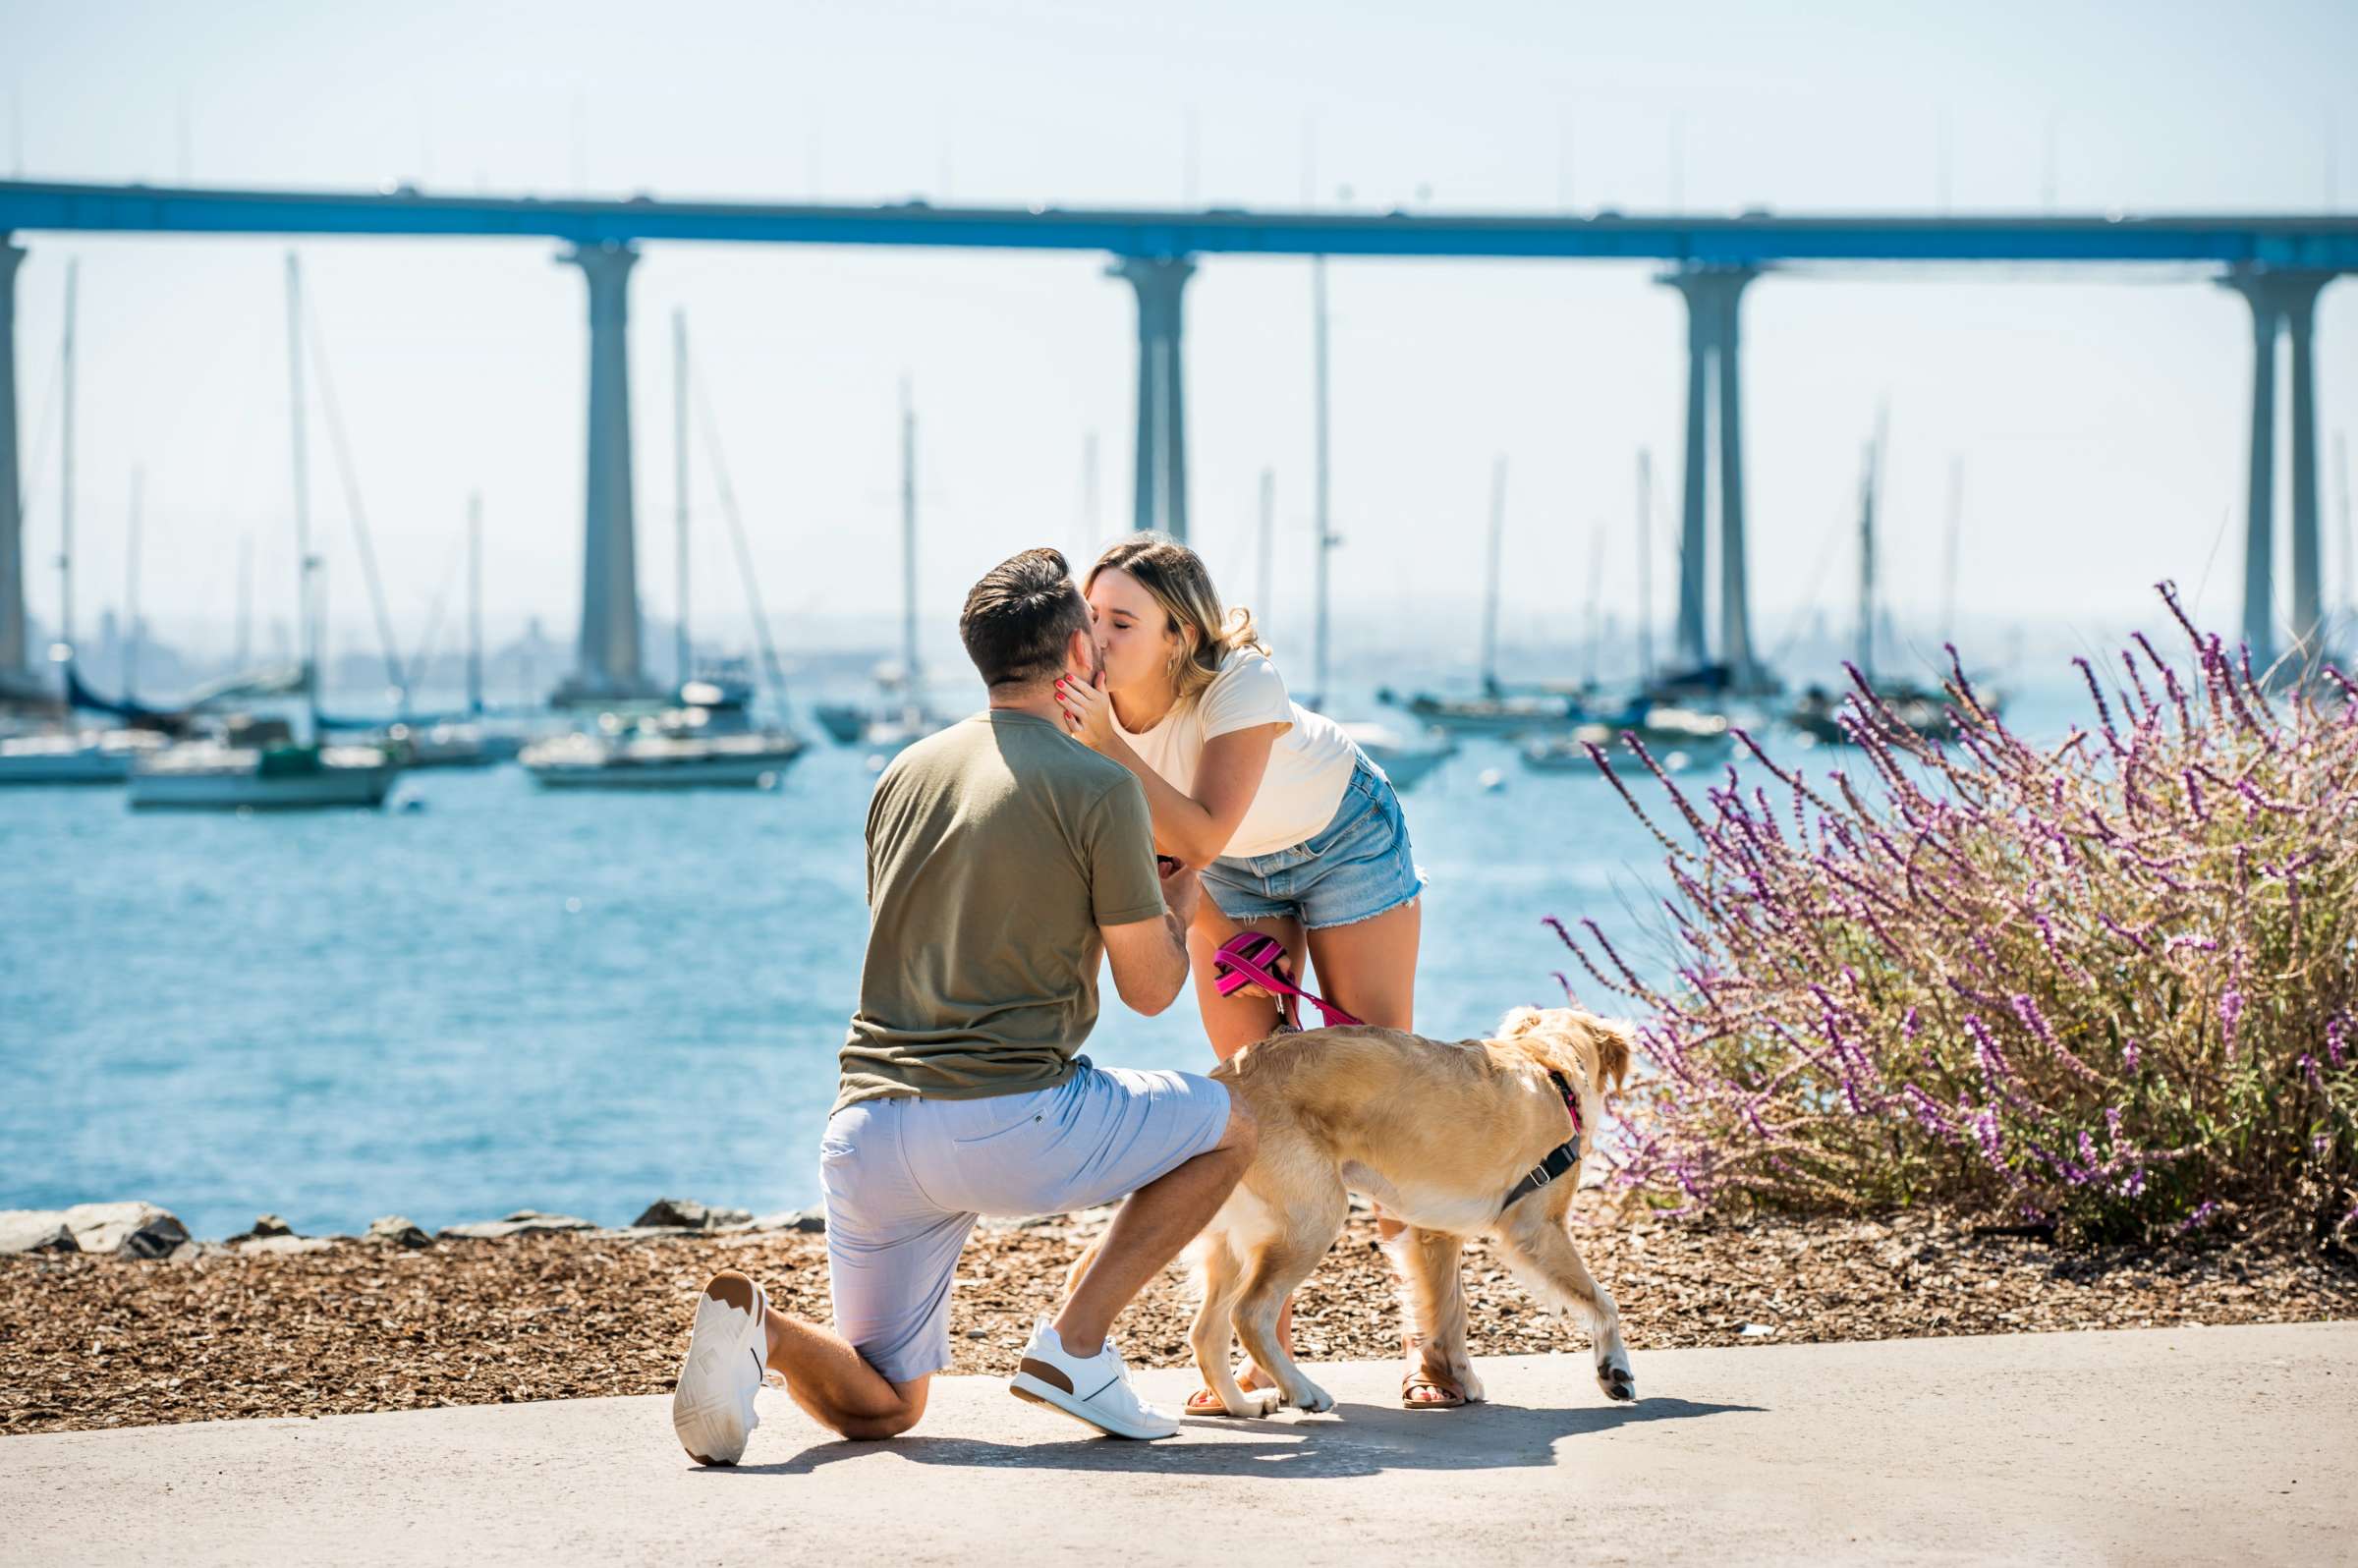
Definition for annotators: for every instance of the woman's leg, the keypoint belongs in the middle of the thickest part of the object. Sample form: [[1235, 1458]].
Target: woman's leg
[[1369, 970], [1232, 1023]]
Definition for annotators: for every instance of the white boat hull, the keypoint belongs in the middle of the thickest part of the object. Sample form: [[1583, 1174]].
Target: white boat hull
[[65, 767], [717, 774], [232, 791], [89, 758], [1406, 770], [1404, 758], [585, 764]]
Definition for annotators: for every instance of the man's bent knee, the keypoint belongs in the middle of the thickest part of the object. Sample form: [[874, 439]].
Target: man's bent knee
[[878, 1428], [882, 1421]]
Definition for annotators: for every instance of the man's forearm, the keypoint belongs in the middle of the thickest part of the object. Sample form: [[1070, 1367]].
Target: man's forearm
[[1176, 931]]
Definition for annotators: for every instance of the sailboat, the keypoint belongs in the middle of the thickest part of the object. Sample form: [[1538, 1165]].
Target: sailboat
[[1407, 754], [1820, 712], [708, 737], [75, 755], [255, 764], [1497, 710], [465, 739], [1679, 729], [905, 717]]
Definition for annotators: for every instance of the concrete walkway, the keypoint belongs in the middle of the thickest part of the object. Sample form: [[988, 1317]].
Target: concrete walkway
[[2187, 1445]]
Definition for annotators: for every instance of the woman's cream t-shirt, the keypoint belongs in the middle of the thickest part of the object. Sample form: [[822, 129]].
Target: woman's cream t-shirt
[[1310, 765]]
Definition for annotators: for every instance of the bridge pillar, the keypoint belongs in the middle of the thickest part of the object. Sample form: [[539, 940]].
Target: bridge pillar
[[1735, 591], [2284, 301], [1715, 299], [1694, 647], [1161, 476], [16, 669], [2308, 558], [606, 659]]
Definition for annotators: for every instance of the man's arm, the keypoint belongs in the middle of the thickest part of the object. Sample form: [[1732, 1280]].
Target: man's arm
[[1149, 956]]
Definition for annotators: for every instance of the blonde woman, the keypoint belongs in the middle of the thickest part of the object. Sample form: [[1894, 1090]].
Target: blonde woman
[[1297, 833]]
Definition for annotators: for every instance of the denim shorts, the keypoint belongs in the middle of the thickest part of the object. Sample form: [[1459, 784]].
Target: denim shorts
[[1359, 865], [905, 1178]]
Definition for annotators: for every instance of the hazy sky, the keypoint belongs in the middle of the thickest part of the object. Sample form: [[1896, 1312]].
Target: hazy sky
[[2101, 422]]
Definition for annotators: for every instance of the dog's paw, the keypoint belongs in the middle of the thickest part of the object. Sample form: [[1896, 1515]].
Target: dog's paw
[[1310, 1399], [1263, 1401], [1616, 1380]]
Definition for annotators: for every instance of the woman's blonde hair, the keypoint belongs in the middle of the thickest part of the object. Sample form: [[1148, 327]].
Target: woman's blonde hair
[[1179, 582]]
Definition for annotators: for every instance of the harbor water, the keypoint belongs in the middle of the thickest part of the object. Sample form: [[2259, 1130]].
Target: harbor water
[[490, 997]]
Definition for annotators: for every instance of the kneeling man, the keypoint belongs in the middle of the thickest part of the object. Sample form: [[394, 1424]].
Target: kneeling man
[[1006, 862]]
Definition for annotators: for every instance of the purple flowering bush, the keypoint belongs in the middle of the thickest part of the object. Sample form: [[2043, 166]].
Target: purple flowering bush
[[2106, 986]]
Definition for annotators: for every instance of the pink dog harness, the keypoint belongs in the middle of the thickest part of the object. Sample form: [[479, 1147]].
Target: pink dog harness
[[1563, 1158]]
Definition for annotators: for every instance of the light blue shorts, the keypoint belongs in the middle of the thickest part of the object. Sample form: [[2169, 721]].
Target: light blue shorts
[[1359, 865], [906, 1178]]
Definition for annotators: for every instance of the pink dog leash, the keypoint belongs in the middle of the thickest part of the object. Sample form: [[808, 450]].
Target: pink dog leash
[[1256, 958]]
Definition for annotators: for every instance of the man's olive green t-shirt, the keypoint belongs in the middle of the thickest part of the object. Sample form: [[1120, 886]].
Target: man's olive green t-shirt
[[995, 850]]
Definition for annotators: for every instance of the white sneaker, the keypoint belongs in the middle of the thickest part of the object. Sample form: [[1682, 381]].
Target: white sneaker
[[1094, 1391], [712, 1408]]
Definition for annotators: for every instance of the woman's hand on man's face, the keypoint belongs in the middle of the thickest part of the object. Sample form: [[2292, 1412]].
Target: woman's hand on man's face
[[1087, 710]]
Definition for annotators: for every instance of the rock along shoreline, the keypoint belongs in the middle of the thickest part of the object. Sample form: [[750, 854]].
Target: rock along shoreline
[[138, 1229]]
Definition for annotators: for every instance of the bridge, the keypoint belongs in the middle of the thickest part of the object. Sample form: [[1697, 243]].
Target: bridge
[[2278, 262]]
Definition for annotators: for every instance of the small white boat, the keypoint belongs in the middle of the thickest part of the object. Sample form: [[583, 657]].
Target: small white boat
[[447, 744], [901, 718], [1405, 756], [845, 723], [86, 756], [891, 734], [626, 761], [210, 775], [1678, 738]]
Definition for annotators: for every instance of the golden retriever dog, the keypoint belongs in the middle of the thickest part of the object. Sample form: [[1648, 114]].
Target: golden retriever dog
[[1437, 1133]]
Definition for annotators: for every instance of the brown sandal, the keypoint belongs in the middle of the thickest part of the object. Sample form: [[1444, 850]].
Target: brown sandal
[[1452, 1398], [1453, 1395], [1204, 1402]]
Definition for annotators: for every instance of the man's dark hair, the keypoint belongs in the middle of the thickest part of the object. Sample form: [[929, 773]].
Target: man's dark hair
[[1020, 618]]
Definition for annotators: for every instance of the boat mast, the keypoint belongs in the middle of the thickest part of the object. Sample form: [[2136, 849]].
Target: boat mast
[[1490, 596], [679, 446], [1596, 611], [245, 602], [1268, 531], [475, 604], [307, 650], [64, 482], [1089, 517], [910, 699], [2349, 536], [1317, 298], [1948, 577], [131, 591], [1866, 640], [773, 668], [1644, 566]]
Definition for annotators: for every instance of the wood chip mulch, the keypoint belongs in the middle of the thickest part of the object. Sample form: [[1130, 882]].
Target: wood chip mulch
[[95, 1343]]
